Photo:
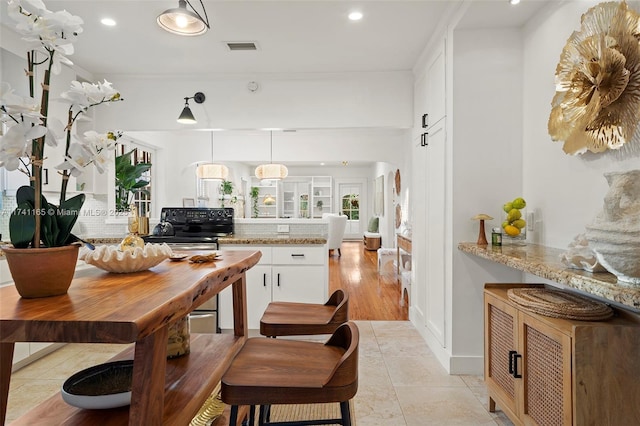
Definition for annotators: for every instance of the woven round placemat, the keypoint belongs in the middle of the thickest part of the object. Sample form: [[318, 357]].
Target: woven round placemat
[[559, 304]]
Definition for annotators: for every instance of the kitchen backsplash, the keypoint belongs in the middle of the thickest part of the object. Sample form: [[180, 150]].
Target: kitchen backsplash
[[91, 223]]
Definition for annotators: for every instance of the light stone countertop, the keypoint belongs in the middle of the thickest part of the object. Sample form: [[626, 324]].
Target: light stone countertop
[[284, 239], [545, 262]]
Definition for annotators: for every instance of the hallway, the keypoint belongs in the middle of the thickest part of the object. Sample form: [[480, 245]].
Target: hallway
[[371, 296]]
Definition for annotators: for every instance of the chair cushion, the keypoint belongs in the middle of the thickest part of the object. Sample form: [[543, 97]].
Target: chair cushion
[[374, 223]]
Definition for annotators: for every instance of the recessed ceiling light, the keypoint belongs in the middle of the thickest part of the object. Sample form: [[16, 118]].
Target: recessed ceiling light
[[322, 164], [108, 22], [355, 16], [514, 1]]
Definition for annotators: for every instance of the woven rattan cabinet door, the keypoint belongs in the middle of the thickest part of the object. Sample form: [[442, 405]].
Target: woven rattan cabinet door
[[501, 322], [546, 374]]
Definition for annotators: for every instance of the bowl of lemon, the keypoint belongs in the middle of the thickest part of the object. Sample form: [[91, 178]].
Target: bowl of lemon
[[514, 224]]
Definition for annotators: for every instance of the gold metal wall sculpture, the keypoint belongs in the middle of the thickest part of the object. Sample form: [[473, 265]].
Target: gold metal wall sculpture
[[597, 101]]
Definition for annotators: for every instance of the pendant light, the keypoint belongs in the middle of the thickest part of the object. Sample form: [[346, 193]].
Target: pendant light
[[271, 171], [182, 21], [212, 171]]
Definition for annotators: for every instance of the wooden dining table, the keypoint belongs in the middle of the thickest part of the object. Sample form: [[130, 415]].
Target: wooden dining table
[[138, 308]]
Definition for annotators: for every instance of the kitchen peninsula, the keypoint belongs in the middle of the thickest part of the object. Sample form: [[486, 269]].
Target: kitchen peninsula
[[138, 307]]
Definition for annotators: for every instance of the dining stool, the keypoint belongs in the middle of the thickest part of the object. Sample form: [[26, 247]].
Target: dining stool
[[295, 319], [268, 372]]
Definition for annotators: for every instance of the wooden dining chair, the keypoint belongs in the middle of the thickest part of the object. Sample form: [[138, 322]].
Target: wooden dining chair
[[294, 319], [281, 371]]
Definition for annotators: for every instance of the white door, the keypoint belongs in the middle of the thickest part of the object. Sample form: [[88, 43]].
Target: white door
[[350, 202], [303, 284], [436, 221]]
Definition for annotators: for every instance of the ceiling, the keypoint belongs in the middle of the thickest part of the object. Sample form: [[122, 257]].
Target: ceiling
[[295, 36]]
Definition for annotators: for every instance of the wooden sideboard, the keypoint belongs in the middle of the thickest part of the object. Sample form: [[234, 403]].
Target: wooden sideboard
[[550, 371], [123, 308]]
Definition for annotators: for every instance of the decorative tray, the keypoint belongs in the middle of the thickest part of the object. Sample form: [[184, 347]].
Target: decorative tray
[[101, 386], [559, 304]]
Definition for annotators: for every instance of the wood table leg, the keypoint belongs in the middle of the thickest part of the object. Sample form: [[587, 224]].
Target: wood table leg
[[147, 387], [239, 288], [6, 362]]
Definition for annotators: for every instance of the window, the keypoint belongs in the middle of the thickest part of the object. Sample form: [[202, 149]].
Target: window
[[133, 177], [351, 206]]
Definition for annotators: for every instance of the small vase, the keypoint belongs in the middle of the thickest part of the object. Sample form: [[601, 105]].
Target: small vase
[[42, 272], [179, 342], [520, 223]]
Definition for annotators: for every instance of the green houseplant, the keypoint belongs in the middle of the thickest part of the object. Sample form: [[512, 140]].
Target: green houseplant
[[36, 224], [254, 193], [129, 180], [226, 189]]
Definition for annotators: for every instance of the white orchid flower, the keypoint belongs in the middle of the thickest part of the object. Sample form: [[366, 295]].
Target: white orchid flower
[[16, 143], [55, 31], [83, 95], [15, 105], [77, 160]]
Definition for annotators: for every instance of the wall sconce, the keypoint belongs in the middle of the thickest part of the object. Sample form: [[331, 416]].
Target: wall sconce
[[186, 116], [182, 21]]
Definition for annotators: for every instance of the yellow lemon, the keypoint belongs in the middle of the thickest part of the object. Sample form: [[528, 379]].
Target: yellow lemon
[[512, 230], [519, 203], [520, 223], [514, 214], [507, 207]]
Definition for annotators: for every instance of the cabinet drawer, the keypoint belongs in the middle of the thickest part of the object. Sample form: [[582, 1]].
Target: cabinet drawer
[[299, 255], [266, 251]]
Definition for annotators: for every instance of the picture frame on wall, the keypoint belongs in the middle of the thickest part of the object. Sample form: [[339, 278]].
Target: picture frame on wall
[[378, 200]]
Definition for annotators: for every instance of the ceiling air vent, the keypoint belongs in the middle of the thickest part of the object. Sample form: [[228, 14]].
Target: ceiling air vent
[[241, 45]]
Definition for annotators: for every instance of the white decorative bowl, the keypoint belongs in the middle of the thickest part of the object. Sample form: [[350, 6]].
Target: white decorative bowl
[[112, 259], [101, 386]]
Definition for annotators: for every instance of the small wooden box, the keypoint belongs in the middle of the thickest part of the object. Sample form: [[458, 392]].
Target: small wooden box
[[372, 243]]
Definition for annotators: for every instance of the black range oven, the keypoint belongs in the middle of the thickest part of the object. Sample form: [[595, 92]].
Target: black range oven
[[195, 228]]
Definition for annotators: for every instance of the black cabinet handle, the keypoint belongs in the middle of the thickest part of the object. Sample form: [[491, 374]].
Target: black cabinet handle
[[264, 280], [511, 354], [297, 255], [278, 279], [515, 366]]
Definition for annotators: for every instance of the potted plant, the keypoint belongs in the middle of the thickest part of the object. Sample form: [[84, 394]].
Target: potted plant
[[319, 205], [39, 230], [226, 189], [129, 180], [254, 193]]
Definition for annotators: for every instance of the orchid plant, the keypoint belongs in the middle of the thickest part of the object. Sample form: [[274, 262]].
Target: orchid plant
[[35, 221]]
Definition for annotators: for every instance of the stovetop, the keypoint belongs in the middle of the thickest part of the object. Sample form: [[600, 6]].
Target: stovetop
[[184, 225]]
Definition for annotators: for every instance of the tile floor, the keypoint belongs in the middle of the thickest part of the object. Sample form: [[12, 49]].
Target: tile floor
[[400, 381]]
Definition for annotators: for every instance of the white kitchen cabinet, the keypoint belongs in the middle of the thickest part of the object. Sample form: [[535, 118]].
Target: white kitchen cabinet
[[284, 273]]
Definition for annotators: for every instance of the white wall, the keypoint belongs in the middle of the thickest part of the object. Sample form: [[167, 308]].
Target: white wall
[[566, 192], [487, 164], [368, 99]]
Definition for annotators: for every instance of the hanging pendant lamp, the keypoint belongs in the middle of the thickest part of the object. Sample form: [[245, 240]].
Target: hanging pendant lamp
[[182, 21], [212, 171], [271, 171]]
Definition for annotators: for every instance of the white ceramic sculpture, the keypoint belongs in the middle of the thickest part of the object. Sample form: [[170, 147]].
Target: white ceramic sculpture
[[112, 259], [615, 233]]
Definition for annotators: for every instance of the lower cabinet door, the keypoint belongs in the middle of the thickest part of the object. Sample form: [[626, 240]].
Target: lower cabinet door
[[546, 374], [258, 294], [305, 284], [501, 323]]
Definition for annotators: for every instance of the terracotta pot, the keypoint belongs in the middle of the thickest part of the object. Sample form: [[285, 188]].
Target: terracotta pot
[[42, 272]]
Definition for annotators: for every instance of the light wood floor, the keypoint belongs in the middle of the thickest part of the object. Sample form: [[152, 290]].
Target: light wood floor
[[371, 296]]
